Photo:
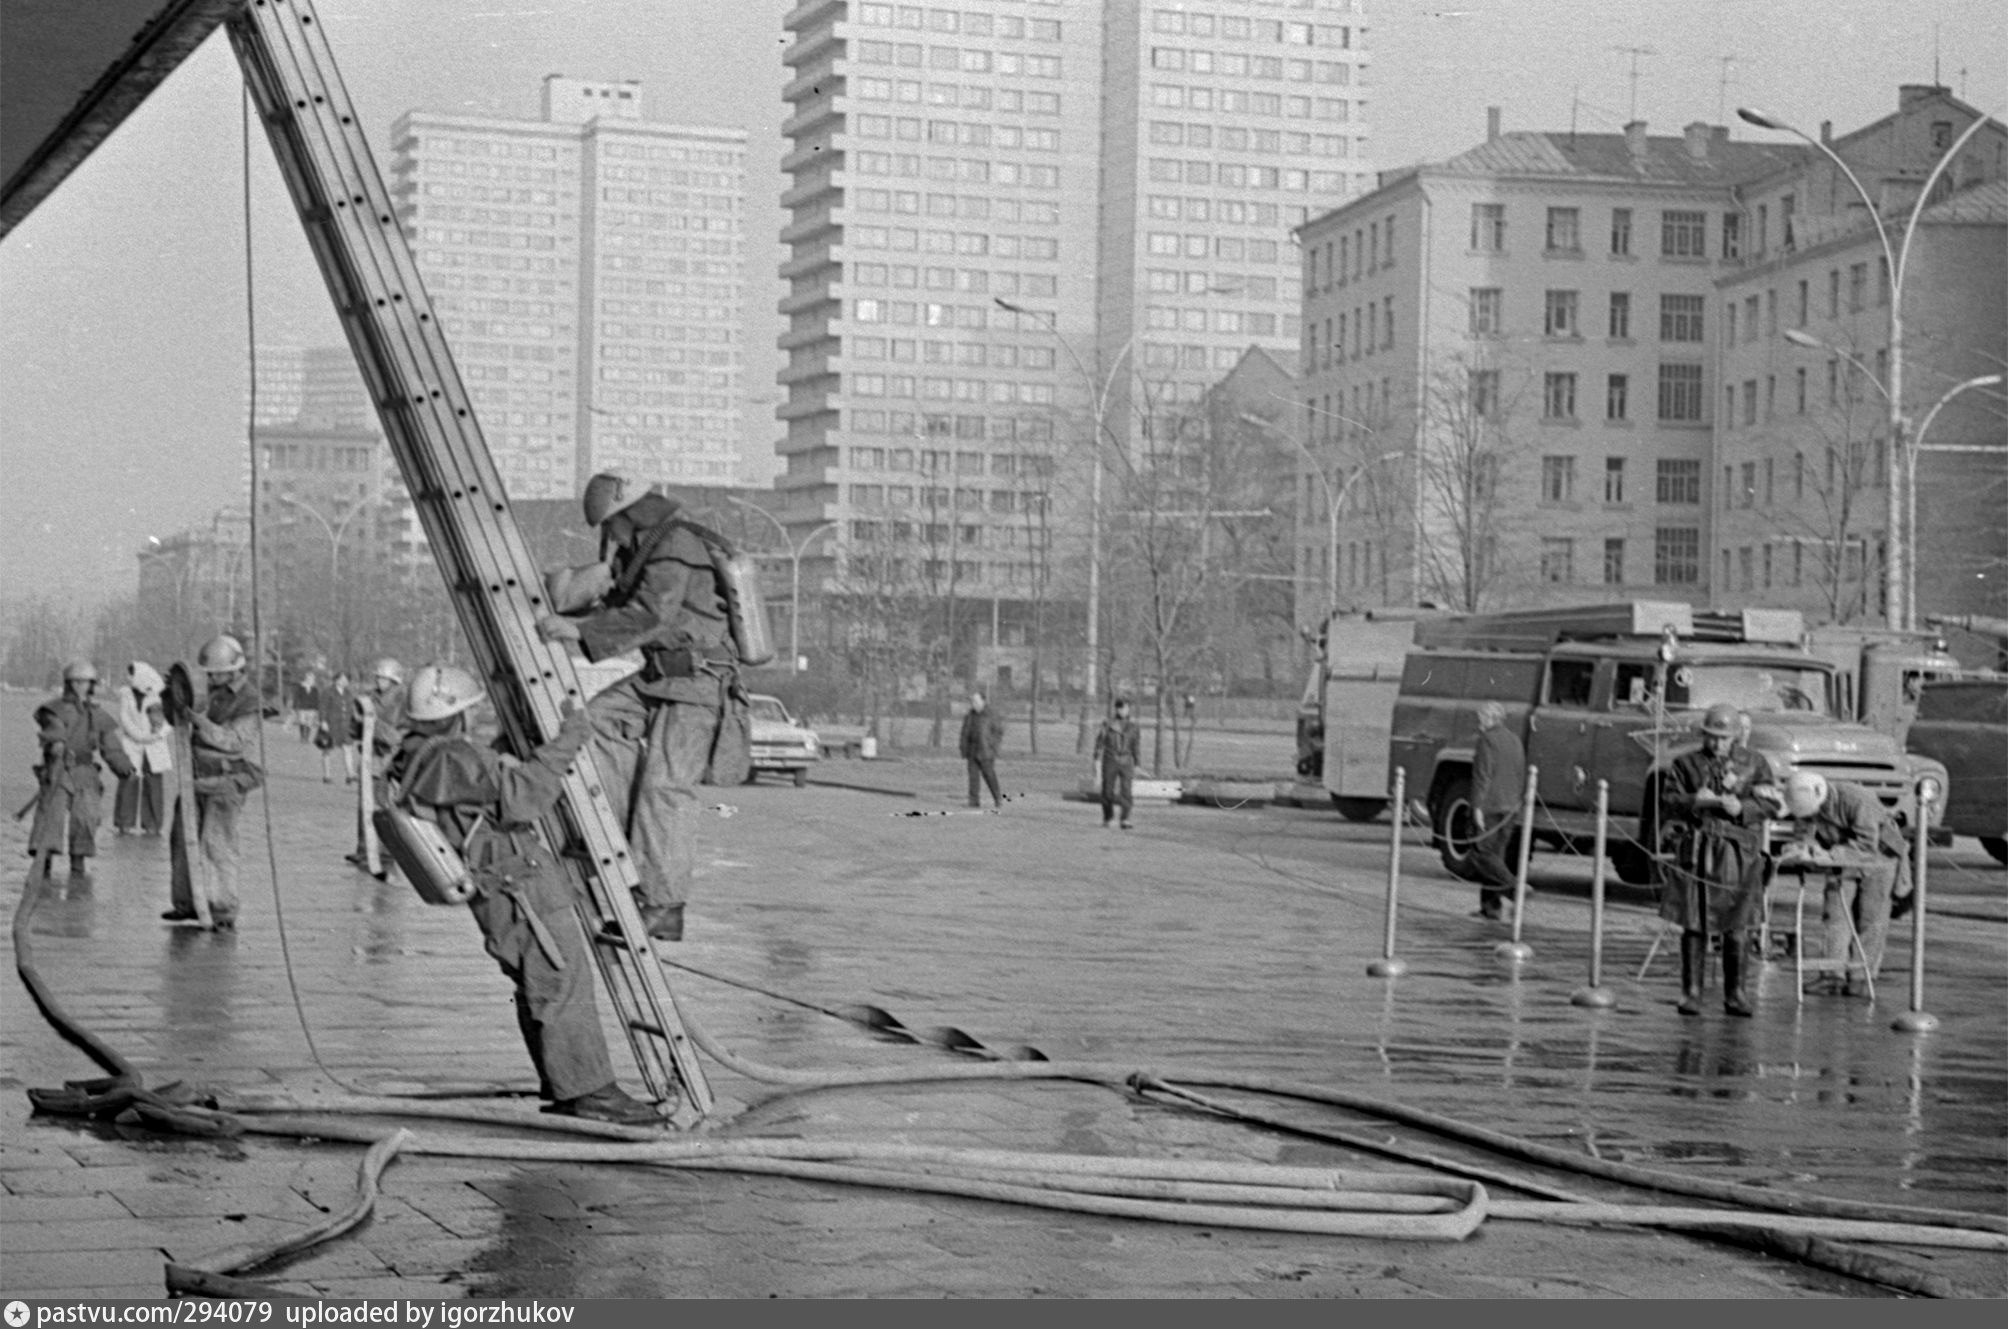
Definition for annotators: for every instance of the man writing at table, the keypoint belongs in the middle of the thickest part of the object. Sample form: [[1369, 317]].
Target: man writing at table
[[1836, 820]]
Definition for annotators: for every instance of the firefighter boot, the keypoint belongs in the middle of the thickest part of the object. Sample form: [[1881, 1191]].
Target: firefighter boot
[[1736, 975], [1693, 971]]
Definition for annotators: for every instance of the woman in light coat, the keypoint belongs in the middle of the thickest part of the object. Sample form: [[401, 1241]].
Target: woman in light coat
[[143, 732]]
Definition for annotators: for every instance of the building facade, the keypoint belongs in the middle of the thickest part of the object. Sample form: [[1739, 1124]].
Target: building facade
[[589, 267], [1017, 235], [1509, 357], [1802, 442]]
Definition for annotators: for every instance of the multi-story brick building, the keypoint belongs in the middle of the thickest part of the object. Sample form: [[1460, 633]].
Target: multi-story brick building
[[590, 269], [1803, 431], [1515, 345], [1015, 231]]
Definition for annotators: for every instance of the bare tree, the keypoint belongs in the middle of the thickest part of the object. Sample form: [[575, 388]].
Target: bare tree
[[1466, 444], [1835, 479]]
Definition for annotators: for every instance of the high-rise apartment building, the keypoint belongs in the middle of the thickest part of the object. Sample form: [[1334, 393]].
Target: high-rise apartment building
[[590, 269], [1009, 225]]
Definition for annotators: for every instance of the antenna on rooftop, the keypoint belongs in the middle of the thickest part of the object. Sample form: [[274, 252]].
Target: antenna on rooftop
[[1722, 89], [1634, 52], [1936, 81]]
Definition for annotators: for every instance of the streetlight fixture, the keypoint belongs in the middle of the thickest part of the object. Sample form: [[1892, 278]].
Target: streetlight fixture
[[1335, 502], [1898, 611], [1799, 337], [1101, 399], [795, 552]]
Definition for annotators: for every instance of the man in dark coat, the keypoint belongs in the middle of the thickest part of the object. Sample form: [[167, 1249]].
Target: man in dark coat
[[1117, 745], [653, 731], [982, 739], [1839, 817], [487, 806], [74, 732], [1498, 787], [1713, 803], [223, 735]]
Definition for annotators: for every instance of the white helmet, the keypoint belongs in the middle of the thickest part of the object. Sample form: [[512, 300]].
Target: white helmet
[[222, 654], [1805, 793], [388, 668], [440, 692], [80, 671]]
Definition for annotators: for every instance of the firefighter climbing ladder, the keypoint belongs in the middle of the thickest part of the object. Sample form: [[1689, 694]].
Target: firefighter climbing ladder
[[352, 226]]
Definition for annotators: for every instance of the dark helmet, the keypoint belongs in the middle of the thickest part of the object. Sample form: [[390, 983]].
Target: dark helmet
[[1720, 721]]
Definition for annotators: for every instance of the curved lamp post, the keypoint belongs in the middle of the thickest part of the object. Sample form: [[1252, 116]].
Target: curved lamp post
[[1898, 612], [1335, 502], [795, 552]]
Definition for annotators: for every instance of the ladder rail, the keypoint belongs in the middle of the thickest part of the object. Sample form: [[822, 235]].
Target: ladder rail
[[429, 421]]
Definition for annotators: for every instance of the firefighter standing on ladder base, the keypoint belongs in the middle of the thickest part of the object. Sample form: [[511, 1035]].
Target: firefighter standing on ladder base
[[1713, 805], [654, 732], [487, 805]]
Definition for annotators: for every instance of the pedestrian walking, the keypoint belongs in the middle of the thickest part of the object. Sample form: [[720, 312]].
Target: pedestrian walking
[[1840, 816], [1713, 806], [307, 705], [1117, 745], [222, 741], [655, 731], [1498, 788], [149, 745], [74, 733], [380, 711], [487, 807], [982, 738], [337, 732]]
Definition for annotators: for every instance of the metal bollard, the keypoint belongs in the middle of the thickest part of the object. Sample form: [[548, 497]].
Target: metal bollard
[[1918, 1020], [1517, 951], [1596, 994], [1387, 966]]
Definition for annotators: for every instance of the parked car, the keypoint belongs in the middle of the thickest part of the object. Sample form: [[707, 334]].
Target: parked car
[[780, 743]]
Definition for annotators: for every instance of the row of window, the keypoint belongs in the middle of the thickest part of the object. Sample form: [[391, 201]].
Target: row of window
[[940, 498], [1676, 482], [911, 129], [938, 462], [1237, 101], [1679, 400], [1238, 27], [1168, 281], [968, 170], [659, 178], [1683, 233], [1233, 64], [1841, 392], [966, 207], [968, 96], [907, 424], [1681, 317], [1233, 322], [671, 152], [1227, 211], [970, 281], [1827, 564], [947, 389], [967, 22], [1858, 466], [1350, 257], [1368, 328], [1676, 558], [1233, 138], [891, 572], [973, 354], [1856, 301], [1234, 175], [956, 59], [432, 167]]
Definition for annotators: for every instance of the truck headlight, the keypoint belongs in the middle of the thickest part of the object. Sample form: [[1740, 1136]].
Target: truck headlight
[[1930, 789]]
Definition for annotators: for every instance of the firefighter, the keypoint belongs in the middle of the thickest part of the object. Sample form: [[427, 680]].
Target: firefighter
[[223, 736], [385, 704], [654, 731], [1498, 787], [487, 806], [1839, 815], [1713, 804], [74, 732]]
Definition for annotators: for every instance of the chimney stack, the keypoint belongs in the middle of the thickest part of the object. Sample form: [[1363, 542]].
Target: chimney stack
[[1696, 136], [1826, 131], [1910, 94], [1491, 124], [1635, 138]]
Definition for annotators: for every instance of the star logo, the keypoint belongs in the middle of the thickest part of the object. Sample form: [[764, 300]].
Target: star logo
[[17, 1314]]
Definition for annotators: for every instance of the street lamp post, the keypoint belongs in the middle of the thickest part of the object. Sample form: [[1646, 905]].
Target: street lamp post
[[1898, 612], [1101, 400], [795, 552], [335, 532], [1334, 502]]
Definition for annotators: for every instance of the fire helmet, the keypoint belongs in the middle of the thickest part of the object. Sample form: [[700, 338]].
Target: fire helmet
[[610, 492], [222, 654], [439, 692], [80, 671], [388, 668], [1721, 721], [1805, 793]]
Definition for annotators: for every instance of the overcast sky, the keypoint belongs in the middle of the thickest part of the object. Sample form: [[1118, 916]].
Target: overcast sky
[[123, 342]]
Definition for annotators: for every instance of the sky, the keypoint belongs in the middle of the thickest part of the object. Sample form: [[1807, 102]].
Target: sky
[[124, 341]]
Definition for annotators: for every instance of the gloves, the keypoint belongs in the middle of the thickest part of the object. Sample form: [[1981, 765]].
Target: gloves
[[564, 745]]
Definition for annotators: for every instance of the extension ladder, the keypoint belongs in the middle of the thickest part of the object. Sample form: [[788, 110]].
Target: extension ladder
[[352, 226]]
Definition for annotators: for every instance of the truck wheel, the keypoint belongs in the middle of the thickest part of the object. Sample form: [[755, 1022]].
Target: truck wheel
[[1996, 847], [1454, 830], [1632, 864], [1359, 809], [801, 776]]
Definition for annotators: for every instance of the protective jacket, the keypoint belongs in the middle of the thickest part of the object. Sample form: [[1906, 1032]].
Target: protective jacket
[[1118, 743], [666, 600], [1498, 772], [1853, 819], [74, 735], [982, 735], [1715, 879], [224, 736], [387, 728]]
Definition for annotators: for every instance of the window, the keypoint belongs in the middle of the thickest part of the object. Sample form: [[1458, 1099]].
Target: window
[[1805, 300], [1683, 234], [1749, 401], [1732, 235], [1558, 565], [1485, 393], [1617, 390], [1746, 493], [1750, 319], [1799, 383], [1614, 562], [1799, 477], [1680, 392], [1746, 565], [1488, 227], [1487, 305], [1565, 233], [1560, 319], [1614, 479], [1676, 556], [1558, 479], [1677, 481], [1729, 320], [1767, 566], [1770, 481], [1787, 207], [1680, 317], [1858, 282], [1558, 397], [1621, 231]]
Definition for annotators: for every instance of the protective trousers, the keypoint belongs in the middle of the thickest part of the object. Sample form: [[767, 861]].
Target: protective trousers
[[216, 818], [1694, 971], [1863, 896], [650, 754], [67, 811], [555, 1007]]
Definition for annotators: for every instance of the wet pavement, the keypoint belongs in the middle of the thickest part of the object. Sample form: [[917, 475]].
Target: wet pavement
[[1228, 938]]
